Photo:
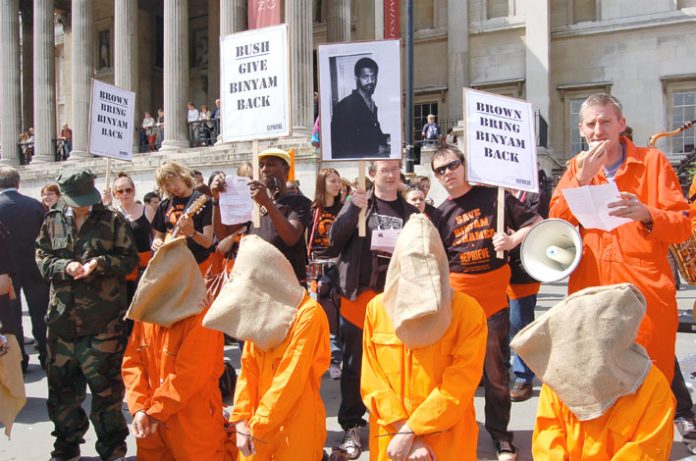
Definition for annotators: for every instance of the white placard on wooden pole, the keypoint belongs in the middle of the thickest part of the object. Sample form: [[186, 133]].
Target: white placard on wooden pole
[[362, 232], [255, 216]]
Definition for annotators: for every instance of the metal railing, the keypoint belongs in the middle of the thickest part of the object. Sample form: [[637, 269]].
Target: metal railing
[[25, 150], [203, 132]]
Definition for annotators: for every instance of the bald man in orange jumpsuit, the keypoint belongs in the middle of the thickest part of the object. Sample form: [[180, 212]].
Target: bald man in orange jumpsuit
[[171, 377], [635, 252]]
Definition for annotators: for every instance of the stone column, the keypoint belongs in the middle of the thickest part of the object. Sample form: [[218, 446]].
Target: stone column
[[338, 21], [9, 82], [126, 53], [44, 82], [27, 66], [176, 74], [298, 16], [538, 41], [233, 18], [457, 58], [213, 52], [82, 68]]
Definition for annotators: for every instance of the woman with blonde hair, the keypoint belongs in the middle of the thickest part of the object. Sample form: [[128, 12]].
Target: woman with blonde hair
[[176, 183]]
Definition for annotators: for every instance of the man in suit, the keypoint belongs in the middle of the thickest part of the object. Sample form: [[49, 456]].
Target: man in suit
[[23, 217], [355, 128]]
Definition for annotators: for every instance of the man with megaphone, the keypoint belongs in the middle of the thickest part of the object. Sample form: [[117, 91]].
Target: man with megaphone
[[467, 229], [634, 252]]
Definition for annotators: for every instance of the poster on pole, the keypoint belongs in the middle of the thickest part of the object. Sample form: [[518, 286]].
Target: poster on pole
[[360, 100], [111, 120], [500, 141], [255, 84]]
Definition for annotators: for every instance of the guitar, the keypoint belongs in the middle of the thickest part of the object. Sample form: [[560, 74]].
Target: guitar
[[191, 211]]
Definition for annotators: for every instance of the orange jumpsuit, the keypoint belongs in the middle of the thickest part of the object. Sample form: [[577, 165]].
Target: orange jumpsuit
[[632, 252], [277, 391], [431, 387], [172, 374], [637, 427]]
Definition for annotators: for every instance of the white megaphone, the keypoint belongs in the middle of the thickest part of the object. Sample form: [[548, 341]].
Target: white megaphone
[[551, 250]]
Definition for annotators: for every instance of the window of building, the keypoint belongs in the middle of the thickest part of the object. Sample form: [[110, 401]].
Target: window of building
[[577, 142], [423, 15], [584, 10], [497, 8], [683, 109], [420, 116], [686, 4]]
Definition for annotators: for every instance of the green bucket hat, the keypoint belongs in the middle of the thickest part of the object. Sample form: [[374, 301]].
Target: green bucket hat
[[77, 188]]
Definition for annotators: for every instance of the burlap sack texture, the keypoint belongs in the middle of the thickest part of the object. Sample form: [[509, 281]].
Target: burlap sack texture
[[417, 294], [12, 396], [171, 288], [260, 303], [583, 348]]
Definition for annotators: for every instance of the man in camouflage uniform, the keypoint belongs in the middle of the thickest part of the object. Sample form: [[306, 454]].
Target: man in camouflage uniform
[[85, 251]]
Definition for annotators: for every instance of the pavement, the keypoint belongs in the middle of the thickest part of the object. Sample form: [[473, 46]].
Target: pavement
[[32, 441]]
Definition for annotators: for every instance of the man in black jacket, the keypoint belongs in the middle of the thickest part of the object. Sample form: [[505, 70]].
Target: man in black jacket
[[362, 266], [23, 217], [355, 128]]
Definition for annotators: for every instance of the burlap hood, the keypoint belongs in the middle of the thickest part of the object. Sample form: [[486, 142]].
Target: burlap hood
[[12, 396], [171, 288], [583, 348], [417, 295], [260, 302]]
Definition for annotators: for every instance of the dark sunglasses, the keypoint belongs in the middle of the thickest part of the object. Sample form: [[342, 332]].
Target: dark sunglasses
[[127, 190], [453, 165]]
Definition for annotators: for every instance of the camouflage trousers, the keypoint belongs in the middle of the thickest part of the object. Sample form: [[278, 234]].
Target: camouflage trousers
[[74, 364]]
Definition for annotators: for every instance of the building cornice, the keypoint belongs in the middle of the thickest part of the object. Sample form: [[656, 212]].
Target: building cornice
[[683, 16]]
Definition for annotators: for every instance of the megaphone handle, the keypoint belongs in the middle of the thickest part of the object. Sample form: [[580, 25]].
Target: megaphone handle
[[500, 226]]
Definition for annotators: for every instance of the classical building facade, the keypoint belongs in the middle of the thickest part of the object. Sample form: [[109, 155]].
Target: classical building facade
[[552, 53]]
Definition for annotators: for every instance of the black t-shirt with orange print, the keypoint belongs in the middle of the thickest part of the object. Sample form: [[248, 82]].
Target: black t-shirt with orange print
[[170, 210], [322, 224], [468, 224]]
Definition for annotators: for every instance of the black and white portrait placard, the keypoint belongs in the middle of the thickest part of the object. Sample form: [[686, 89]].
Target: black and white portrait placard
[[360, 100]]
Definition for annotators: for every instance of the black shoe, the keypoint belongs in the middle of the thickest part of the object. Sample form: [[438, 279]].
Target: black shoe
[[686, 427], [521, 391]]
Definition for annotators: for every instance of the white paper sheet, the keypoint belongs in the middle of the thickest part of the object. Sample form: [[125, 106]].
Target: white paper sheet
[[384, 240], [235, 202], [589, 205]]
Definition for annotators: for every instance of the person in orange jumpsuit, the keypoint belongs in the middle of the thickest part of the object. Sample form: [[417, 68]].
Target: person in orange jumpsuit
[[602, 398], [278, 412], [635, 252], [423, 351], [171, 376]]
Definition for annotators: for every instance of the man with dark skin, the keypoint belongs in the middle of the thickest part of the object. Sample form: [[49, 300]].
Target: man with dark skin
[[355, 128], [284, 216]]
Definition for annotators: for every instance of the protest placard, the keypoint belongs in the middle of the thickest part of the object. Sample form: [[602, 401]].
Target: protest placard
[[235, 202], [255, 93], [112, 115], [500, 141]]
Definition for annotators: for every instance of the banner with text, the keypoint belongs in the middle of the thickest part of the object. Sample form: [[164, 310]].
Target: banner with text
[[392, 19], [500, 141], [263, 13], [112, 115], [254, 83]]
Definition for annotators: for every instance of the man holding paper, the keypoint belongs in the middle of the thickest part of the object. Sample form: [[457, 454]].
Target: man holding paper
[[635, 252]]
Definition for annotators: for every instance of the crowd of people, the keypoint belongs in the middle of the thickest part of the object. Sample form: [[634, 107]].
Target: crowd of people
[[203, 127], [411, 313]]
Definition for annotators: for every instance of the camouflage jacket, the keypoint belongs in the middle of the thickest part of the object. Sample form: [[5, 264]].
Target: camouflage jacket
[[97, 303]]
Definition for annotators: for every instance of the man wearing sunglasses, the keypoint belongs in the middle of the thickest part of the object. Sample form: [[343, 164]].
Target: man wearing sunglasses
[[467, 228]]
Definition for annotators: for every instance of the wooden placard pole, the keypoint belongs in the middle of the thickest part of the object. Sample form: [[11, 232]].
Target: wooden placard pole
[[107, 186], [256, 215], [500, 226], [361, 184]]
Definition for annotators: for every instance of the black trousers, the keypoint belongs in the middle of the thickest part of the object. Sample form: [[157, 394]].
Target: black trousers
[[35, 291], [352, 409], [681, 393]]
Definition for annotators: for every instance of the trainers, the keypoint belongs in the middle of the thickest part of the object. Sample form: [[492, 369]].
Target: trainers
[[521, 391], [335, 371], [351, 443], [686, 427], [505, 450]]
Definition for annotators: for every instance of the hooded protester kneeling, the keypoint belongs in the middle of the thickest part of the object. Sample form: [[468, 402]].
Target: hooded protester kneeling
[[172, 364], [278, 412], [423, 351], [602, 398]]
